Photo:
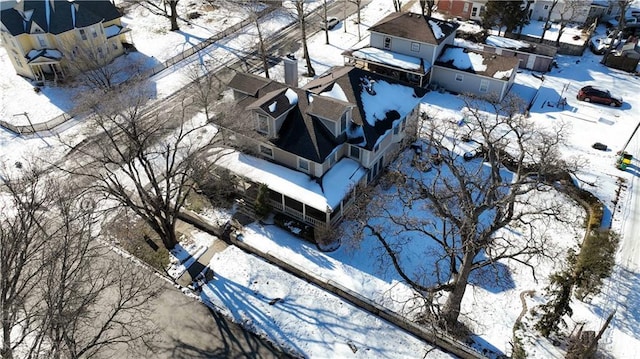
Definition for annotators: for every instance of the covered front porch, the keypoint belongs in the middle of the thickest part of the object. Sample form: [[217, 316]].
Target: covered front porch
[[45, 65], [316, 202]]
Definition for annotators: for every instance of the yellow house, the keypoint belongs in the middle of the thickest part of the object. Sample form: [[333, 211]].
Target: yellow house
[[45, 39]]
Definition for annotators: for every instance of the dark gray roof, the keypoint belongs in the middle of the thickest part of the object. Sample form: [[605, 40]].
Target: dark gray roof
[[248, 83], [415, 27], [302, 132], [327, 107], [493, 62], [62, 13]]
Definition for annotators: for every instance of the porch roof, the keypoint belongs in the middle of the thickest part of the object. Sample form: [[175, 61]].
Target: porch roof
[[43, 56], [322, 194], [390, 58]]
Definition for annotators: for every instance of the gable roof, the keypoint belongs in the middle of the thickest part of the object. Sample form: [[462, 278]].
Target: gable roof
[[477, 62], [415, 27], [248, 84], [302, 132], [56, 16], [376, 110]]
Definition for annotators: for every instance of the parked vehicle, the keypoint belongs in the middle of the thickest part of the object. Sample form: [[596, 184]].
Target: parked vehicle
[[600, 44], [331, 23], [593, 94]]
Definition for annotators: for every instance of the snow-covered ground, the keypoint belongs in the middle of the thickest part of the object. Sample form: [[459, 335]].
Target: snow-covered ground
[[317, 324]]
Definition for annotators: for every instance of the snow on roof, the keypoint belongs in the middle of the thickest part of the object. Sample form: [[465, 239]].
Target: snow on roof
[[375, 109], [503, 42], [272, 107], [336, 93], [112, 30], [337, 182], [391, 58], [437, 31], [463, 60], [291, 96], [502, 74], [48, 53]]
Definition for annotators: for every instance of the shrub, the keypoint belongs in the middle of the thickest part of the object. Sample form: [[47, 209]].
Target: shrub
[[595, 262], [261, 203]]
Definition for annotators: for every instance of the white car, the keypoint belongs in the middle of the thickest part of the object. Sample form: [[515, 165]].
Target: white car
[[600, 44]]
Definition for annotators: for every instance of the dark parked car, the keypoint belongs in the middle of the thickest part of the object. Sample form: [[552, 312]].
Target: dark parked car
[[592, 94]]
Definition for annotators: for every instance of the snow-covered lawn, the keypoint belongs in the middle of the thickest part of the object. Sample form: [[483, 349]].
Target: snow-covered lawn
[[314, 323]]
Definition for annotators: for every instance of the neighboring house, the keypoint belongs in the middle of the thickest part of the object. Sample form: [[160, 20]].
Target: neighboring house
[[321, 141], [464, 70], [532, 56], [462, 9], [41, 36], [406, 47]]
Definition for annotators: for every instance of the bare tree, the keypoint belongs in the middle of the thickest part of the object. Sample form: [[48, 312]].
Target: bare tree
[[623, 5], [426, 6], [159, 7], [93, 63], [22, 224], [326, 22], [206, 86], [397, 5], [548, 19], [144, 163], [92, 299], [358, 4], [462, 208], [61, 298], [571, 10], [300, 7]]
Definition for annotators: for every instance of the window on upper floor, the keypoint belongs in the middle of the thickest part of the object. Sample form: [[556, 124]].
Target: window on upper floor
[[83, 34], [343, 122], [474, 11], [465, 8], [459, 77], [387, 43], [415, 47], [303, 164], [94, 33], [100, 53], [263, 124], [42, 40]]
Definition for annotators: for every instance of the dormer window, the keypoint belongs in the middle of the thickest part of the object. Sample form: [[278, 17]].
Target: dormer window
[[263, 124], [343, 122]]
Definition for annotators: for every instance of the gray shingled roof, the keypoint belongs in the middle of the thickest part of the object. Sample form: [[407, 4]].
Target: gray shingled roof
[[63, 15], [415, 27], [493, 62]]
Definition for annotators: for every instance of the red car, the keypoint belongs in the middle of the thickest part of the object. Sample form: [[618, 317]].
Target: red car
[[592, 94]]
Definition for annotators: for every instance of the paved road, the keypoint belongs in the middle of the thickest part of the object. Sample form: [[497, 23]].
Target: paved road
[[191, 330]]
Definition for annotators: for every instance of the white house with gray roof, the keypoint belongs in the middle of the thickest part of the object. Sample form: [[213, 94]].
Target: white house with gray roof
[[409, 47]]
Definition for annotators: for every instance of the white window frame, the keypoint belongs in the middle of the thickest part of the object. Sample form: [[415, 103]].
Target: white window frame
[[545, 7], [386, 42], [474, 11], [266, 151], [415, 46], [263, 119], [459, 77], [303, 164], [465, 8], [484, 86]]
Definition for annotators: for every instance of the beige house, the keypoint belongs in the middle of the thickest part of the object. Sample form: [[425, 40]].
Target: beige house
[[321, 141], [42, 36]]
